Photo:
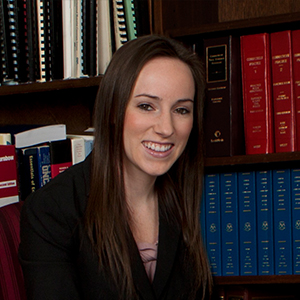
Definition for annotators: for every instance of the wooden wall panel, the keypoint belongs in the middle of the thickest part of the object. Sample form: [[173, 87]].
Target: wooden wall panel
[[230, 10]]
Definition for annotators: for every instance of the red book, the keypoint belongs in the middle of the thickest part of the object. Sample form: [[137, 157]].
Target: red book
[[9, 192], [283, 91], [296, 81], [257, 93]]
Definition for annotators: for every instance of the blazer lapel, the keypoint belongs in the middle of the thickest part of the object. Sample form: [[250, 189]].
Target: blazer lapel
[[167, 249]]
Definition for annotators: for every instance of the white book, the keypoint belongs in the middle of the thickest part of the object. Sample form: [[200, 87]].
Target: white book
[[88, 141], [68, 48], [40, 135], [104, 42], [78, 149]]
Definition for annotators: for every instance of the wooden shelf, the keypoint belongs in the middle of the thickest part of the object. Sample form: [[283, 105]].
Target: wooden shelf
[[251, 159], [240, 25], [249, 280], [49, 86]]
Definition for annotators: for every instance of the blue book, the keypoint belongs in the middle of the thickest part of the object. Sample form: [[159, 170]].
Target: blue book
[[44, 165], [202, 218], [295, 179], [213, 222], [282, 222], [265, 233], [229, 224], [37, 165], [247, 223]]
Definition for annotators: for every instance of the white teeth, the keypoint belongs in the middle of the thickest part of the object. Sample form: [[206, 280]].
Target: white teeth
[[157, 147]]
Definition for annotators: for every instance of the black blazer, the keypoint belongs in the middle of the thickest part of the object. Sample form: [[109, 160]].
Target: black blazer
[[56, 255]]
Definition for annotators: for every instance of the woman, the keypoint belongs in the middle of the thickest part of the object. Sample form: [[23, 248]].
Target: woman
[[124, 224]]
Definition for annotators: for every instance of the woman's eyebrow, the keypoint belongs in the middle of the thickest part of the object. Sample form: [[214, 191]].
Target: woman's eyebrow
[[158, 98]]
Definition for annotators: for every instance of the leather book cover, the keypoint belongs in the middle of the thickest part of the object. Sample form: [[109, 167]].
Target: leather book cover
[[257, 93], [283, 92], [223, 117], [296, 81]]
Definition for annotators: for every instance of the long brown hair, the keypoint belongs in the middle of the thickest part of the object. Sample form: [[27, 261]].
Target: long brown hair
[[180, 189]]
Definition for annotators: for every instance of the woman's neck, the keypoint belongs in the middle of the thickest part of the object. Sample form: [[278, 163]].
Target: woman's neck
[[143, 207]]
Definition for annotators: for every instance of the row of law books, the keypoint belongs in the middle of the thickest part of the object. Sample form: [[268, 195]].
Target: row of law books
[[251, 222], [43, 40], [253, 93], [31, 157]]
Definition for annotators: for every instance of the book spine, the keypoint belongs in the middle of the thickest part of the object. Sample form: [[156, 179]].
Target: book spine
[[265, 233], [104, 39], [9, 192], [60, 156], [56, 38], [295, 179], [283, 91], [44, 165], [119, 23], [247, 223], [223, 108], [213, 222], [257, 93], [282, 222], [13, 33], [78, 150], [229, 224], [93, 37], [296, 80], [41, 39]]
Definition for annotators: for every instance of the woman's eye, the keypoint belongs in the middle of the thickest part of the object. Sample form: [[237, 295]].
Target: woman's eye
[[145, 106], [182, 111]]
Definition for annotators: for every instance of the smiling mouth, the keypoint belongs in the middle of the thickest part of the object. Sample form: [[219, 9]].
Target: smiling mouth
[[158, 147]]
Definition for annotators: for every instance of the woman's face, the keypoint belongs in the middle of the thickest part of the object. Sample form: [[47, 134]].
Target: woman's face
[[159, 117]]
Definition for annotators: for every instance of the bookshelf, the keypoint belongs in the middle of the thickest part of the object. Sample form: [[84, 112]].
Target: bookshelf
[[71, 101], [221, 18]]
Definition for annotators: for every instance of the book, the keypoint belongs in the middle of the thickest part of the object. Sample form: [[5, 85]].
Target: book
[[282, 222], [77, 149], [88, 141], [223, 121], [295, 190], [68, 39], [32, 41], [257, 93], [104, 36], [296, 80], [9, 192], [213, 222], [283, 91], [120, 29], [42, 38], [265, 228], [129, 10], [6, 61], [40, 135], [60, 156], [247, 223], [142, 17], [35, 169], [5, 139], [56, 37], [229, 224], [12, 39]]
